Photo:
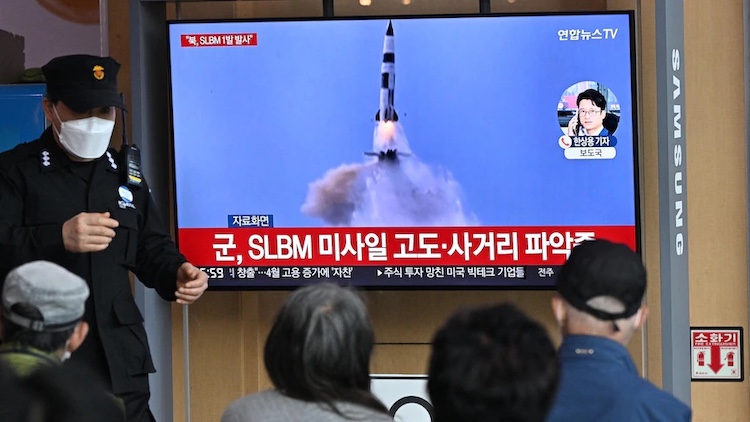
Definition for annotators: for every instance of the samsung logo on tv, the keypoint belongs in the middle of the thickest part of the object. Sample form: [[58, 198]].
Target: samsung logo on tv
[[678, 144]]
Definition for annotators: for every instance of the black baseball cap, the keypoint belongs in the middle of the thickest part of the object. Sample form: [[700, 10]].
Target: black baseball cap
[[599, 268], [83, 82]]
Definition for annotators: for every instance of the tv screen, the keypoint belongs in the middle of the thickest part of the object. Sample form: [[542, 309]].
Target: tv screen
[[414, 152]]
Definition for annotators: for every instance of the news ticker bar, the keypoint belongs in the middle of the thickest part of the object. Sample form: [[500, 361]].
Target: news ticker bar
[[383, 276]]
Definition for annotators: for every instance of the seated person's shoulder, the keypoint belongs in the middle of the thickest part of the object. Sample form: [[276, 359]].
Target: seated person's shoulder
[[258, 406], [17, 154], [357, 412], [276, 406], [653, 404]]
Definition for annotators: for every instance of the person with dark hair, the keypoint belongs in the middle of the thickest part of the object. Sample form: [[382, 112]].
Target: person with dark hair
[[599, 307], [591, 118], [69, 198], [317, 355], [492, 363], [43, 306]]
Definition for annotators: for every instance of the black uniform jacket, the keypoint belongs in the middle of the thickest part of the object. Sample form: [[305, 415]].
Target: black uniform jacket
[[39, 191]]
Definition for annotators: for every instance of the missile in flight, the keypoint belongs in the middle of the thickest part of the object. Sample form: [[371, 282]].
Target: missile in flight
[[387, 112], [385, 142]]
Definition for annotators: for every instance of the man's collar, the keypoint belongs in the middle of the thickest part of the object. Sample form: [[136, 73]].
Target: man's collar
[[595, 348], [15, 347], [51, 156]]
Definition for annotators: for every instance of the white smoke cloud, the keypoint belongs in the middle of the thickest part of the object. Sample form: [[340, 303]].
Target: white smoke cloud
[[334, 197], [388, 194]]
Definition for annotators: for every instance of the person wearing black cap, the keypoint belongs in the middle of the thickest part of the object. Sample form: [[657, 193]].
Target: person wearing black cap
[[599, 307], [62, 199]]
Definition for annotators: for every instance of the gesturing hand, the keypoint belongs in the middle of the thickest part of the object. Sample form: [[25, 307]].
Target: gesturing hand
[[191, 283], [89, 232]]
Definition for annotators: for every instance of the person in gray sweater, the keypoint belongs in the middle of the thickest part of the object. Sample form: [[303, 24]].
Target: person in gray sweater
[[318, 358]]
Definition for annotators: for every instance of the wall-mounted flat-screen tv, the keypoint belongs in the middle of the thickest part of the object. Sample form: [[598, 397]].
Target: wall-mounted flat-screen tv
[[404, 153]]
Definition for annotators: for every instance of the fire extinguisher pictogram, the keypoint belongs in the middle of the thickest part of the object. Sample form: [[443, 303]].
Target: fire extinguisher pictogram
[[730, 359], [701, 359]]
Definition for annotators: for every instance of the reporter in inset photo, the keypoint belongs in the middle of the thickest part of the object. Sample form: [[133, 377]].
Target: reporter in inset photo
[[592, 118]]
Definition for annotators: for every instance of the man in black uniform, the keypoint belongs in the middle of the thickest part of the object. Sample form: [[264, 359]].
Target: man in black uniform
[[62, 199]]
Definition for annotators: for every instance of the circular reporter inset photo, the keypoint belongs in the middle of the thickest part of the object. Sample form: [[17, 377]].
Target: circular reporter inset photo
[[587, 108]]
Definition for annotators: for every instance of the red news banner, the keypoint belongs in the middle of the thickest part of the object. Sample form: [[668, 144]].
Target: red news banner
[[219, 40], [421, 246]]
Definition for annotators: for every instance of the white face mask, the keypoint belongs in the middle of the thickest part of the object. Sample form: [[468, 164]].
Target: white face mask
[[86, 138], [67, 353]]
